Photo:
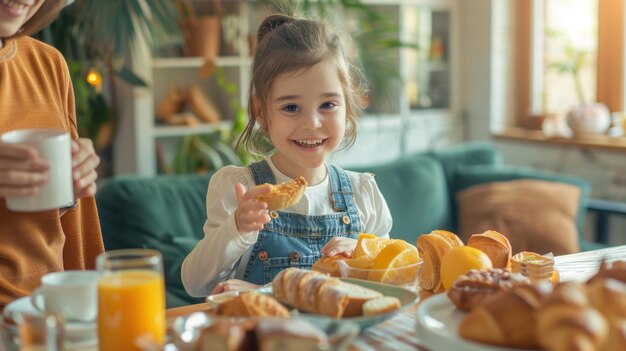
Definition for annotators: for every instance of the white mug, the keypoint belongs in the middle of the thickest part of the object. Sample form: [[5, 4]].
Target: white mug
[[54, 145], [73, 294]]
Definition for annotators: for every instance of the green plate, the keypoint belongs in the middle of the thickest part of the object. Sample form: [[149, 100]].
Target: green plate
[[406, 297]]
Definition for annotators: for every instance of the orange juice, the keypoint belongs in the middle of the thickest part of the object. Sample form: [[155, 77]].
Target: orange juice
[[131, 304]]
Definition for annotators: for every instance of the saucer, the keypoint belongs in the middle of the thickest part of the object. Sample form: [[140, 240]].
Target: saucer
[[78, 334]]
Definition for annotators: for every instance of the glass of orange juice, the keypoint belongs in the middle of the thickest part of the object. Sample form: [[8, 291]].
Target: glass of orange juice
[[131, 299]]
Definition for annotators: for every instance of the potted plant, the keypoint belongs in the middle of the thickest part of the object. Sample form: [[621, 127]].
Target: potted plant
[[586, 117], [200, 23]]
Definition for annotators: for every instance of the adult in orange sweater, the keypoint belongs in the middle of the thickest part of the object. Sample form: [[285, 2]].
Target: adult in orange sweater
[[36, 92]]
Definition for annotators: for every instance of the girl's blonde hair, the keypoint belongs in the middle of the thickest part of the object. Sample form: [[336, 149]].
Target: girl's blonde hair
[[287, 44], [42, 18]]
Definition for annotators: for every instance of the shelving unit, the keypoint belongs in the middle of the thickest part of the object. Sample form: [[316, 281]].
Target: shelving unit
[[142, 141]]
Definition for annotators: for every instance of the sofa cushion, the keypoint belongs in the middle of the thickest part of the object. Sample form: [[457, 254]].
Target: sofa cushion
[[165, 213], [535, 215], [473, 175], [416, 193]]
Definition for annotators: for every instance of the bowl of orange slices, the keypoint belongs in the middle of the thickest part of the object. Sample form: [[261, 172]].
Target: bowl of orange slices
[[387, 261]]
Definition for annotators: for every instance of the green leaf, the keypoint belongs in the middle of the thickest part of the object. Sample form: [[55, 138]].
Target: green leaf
[[130, 77]]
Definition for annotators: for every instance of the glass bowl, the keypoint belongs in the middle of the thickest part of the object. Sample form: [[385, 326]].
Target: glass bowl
[[407, 277]]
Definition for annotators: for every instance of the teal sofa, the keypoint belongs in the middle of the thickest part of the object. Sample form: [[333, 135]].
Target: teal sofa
[[167, 212]]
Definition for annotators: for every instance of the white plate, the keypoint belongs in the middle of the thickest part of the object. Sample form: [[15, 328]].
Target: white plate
[[78, 334], [437, 324]]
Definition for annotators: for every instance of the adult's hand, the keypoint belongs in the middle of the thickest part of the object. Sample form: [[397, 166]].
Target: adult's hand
[[84, 163], [22, 170]]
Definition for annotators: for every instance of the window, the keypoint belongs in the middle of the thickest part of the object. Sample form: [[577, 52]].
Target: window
[[570, 51]]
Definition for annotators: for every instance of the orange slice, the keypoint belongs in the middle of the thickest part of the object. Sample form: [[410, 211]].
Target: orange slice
[[369, 247], [397, 254]]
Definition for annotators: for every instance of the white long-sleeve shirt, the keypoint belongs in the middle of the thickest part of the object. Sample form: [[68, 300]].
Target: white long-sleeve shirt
[[213, 258]]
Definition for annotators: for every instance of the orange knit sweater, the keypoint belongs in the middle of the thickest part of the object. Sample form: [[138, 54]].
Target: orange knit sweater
[[36, 92]]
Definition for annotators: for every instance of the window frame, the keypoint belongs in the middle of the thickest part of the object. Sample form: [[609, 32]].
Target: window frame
[[610, 57]]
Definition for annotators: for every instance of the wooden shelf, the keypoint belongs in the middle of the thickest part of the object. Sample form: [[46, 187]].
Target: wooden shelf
[[600, 142], [193, 62], [163, 131]]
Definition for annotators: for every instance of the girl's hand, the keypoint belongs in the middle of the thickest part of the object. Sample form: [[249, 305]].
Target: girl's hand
[[251, 214], [84, 163], [22, 171], [339, 246], [234, 285]]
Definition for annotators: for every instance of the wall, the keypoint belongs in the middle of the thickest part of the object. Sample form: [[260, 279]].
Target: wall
[[487, 76]]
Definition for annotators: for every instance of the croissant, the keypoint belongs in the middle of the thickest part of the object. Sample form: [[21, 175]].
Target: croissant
[[506, 319], [431, 247], [615, 270], [284, 194], [567, 322], [608, 296], [495, 245]]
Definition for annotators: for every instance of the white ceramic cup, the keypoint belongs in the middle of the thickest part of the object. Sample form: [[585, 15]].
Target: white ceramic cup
[[54, 145], [73, 294]]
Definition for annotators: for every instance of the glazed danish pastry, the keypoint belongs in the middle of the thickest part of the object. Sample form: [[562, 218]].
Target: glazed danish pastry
[[283, 195]]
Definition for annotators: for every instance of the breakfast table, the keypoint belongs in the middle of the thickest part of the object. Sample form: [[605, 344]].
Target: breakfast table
[[399, 332]]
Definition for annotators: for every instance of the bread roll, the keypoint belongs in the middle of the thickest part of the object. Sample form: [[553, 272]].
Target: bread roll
[[452, 238], [431, 248], [495, 245], [284, 195], [314, 292], [506, 319]]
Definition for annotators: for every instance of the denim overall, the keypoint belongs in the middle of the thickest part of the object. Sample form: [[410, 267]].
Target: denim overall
[[295, 240]]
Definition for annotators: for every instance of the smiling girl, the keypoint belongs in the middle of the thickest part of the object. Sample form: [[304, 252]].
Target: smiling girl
[[304, 101]]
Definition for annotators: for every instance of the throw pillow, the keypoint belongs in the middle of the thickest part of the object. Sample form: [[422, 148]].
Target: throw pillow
[[535, 215], [473, 175]]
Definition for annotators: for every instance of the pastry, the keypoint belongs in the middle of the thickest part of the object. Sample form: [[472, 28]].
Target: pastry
[[567, 322], [431, 248], [508, 318], [251, 304], [535, 266], [295, 334], [495, 245], [314, 292], [226, 335], [328, 265], [472, 288], [283, 195], [615, 270]]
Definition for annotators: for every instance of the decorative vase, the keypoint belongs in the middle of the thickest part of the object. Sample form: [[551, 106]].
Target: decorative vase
[[586, 119], [202, 36]]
